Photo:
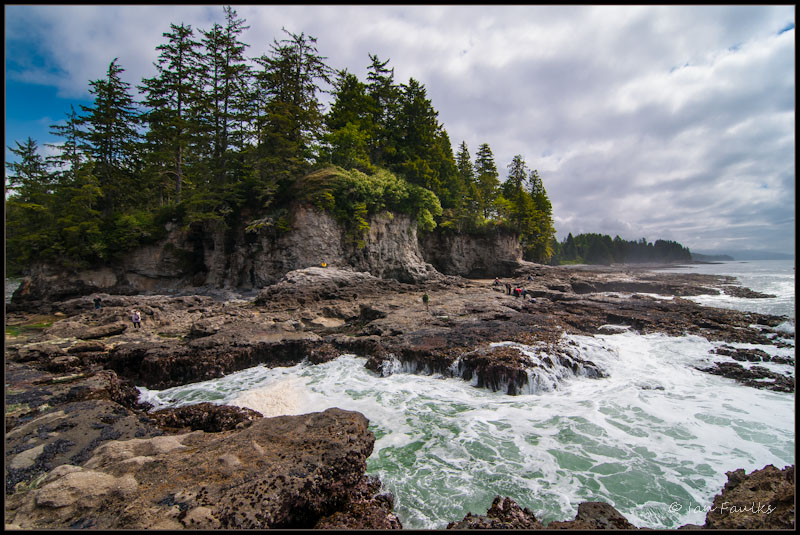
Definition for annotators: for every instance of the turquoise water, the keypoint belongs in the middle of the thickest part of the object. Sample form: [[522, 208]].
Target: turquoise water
[[654, 438]]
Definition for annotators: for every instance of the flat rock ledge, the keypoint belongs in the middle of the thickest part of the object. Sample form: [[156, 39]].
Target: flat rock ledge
[[283, 472], [82, 452], [761, 500]]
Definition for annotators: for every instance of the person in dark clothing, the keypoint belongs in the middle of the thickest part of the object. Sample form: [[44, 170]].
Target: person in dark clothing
[[97, 301], [508, 288]]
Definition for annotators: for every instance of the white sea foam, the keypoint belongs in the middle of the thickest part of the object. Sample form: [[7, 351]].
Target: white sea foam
[[656, 431]]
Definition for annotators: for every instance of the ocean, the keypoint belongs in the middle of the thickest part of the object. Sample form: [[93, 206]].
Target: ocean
[[654, 438]]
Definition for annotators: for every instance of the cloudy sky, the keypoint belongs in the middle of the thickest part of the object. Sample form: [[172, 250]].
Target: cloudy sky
[[663, 122]]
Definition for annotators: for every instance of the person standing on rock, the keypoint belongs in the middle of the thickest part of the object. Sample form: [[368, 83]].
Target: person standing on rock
[[136, 319], [97, 302], [425, 300], [508, 288]]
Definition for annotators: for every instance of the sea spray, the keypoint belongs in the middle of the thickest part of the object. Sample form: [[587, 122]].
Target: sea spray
[[654, 432], [653, 438]]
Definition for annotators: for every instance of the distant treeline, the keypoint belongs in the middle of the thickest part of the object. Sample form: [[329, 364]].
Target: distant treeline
[[601, 249]]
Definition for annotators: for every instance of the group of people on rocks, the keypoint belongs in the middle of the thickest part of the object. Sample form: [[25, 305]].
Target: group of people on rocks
[[136, 317], [515, 291]]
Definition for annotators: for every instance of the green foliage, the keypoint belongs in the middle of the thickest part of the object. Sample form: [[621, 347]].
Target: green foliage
[[352, 196], [215, 141]]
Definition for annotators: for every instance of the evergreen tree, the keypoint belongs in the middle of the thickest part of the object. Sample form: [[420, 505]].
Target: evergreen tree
[[540, 249], [69, 152], [79, 220], [487, 180], [290, 134], [226, 95], [30, 232], [172, 97], [570, 250], [518, 206], [416, 129], [386, 96], [469, 211], [112, 140], [349, 124]]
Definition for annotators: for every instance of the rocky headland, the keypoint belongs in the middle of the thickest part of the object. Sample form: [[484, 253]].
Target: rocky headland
[[83, 452]]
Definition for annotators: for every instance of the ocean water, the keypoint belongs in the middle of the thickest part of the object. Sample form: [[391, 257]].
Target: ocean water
[[654, 438]]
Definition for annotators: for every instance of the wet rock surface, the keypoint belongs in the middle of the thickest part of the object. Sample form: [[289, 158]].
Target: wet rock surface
[[71, 373]]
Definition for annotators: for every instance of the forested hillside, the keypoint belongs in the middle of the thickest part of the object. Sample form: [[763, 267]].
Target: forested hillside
[[218, 135], [601, 249]]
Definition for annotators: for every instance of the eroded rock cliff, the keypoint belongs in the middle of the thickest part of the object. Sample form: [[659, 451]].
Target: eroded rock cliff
[[214, 258]]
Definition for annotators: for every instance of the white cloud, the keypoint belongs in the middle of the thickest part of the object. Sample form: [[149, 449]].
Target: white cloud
[[665, 120]]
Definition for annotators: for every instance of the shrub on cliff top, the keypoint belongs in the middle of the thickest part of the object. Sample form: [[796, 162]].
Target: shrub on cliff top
[[351, 196]]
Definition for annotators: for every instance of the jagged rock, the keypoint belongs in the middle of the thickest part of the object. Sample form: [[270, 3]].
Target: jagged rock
[[193, 338], [368, 508], [594, 515], [760, 500], [755, 376], [284, 472], [504, 513], [208, 417]]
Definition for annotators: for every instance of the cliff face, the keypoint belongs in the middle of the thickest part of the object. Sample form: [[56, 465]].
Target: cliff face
[[233, 259], [250, 261], [497, 254]]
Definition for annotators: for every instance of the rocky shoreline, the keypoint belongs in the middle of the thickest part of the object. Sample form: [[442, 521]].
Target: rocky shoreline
[[81, 451]]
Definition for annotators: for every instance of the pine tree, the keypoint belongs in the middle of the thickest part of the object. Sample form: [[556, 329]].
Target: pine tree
[[226, 94], [29, 208], [172, 96], [541, 250], [386, 96], [470, 206], [487, 180], [517, 176], [291, 128], [415, 130], [111, 139], [69, 155]]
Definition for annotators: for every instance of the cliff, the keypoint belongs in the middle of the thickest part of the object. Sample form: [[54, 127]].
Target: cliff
[[487, 255], [214, 258]]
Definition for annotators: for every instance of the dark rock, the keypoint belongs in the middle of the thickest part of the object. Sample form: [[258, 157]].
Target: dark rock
[[755, 376], [595, 515], [68, 435], [367, 508], [287, 472], [760, 500], [504, 513], [207, 417]]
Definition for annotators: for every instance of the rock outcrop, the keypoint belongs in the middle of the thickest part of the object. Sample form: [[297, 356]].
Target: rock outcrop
[[283, 472], [82, 452], [215, 258], [761, 500], [494, 254]]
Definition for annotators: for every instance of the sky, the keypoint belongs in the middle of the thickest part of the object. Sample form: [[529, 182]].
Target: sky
[[658, 122]]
